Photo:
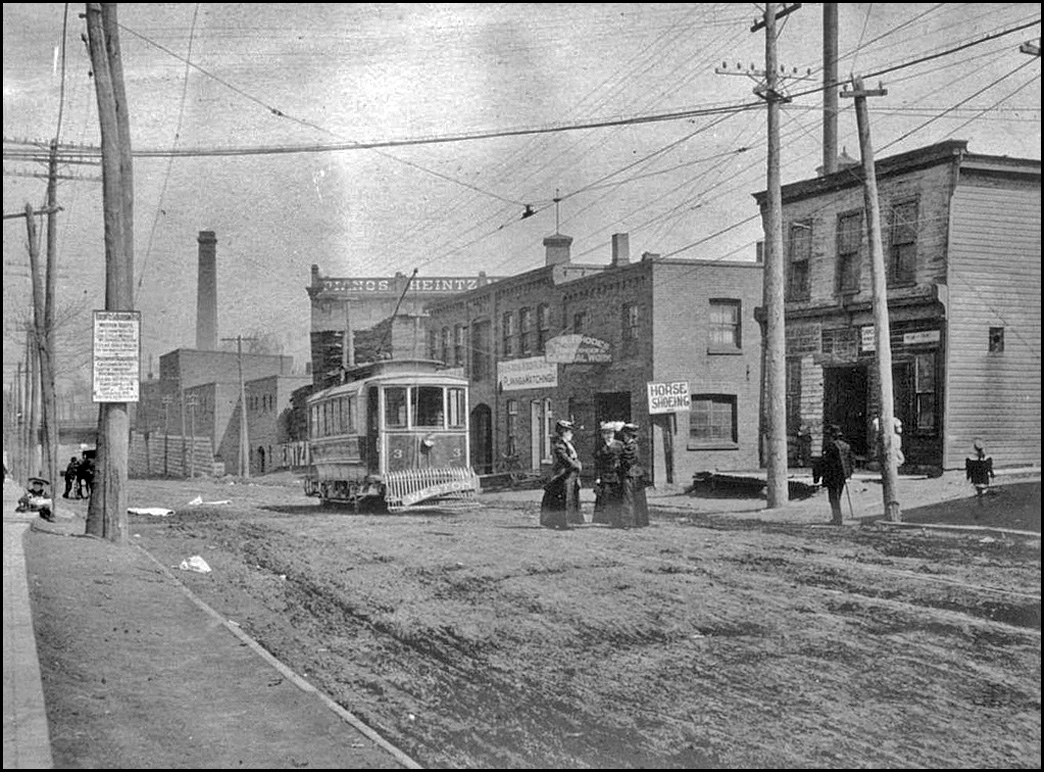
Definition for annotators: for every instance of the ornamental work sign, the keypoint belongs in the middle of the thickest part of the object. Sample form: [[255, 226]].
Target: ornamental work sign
[[669, 397], [117, 356], [577, 350]]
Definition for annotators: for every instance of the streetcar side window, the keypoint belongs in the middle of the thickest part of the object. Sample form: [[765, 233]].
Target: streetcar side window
[[315, 420], [427, 406], [349, 415], [457, 407], [395, 407]]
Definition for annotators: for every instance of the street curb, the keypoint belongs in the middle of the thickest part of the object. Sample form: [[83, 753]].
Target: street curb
[[284, 669], [973, 528]]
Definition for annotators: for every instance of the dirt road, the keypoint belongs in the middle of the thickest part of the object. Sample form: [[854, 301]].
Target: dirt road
[[482, 640]]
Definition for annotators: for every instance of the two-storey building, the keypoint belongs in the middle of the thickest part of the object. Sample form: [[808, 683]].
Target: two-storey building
[[961, 242], [585, 342]]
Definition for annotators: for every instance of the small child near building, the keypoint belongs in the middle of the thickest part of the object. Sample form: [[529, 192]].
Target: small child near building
[[978, 468]]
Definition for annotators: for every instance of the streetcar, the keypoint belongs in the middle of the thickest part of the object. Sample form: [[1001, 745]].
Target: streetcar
[[392, 436]]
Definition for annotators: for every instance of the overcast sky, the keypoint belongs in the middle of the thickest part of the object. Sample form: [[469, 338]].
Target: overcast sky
[[283, 77]]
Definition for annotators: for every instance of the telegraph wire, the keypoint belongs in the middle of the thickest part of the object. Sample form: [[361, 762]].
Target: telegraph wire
[[962, 102], [278, 113], [170, 161], [728, 108], [605, 92], [930, 57]]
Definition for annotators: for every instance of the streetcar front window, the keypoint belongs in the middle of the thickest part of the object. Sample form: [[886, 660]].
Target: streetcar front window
[[395, 407], [427, 406], [457, 407]]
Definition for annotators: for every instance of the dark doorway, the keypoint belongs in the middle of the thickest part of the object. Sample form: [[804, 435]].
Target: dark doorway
[[612, 406], [844, 403], [260, 459], [481, 439]]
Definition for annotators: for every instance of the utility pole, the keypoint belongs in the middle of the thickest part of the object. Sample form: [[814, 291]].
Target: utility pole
[[882, 332], [166, 434], [775, 396], [41, 359], [107, 511], [244, 438], [829, 88], [191, 402]]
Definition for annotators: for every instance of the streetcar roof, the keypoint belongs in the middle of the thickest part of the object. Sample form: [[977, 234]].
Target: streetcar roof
[[393, 372]]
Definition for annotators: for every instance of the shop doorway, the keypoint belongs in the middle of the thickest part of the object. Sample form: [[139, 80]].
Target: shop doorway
[[845, 403], [481, 439], [612, 406]]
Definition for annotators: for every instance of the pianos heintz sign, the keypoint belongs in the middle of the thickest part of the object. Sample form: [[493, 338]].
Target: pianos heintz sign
[[116, 370]]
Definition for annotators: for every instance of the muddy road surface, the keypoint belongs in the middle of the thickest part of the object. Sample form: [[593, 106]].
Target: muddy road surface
[[479, 639]]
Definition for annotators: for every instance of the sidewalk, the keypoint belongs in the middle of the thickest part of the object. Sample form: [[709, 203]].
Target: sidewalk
[[27, 744], [227, 701], [863, 503]]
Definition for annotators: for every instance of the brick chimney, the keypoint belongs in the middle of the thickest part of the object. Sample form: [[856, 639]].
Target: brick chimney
[[621, 250], [557, 247], [206, 293]]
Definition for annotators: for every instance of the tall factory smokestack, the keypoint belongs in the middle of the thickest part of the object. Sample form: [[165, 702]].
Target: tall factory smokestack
[[206, 293]]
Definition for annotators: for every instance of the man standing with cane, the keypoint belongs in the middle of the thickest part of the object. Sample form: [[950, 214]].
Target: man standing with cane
[[834, 468]]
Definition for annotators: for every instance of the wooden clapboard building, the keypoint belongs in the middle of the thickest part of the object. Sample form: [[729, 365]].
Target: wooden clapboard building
[[961, 239]]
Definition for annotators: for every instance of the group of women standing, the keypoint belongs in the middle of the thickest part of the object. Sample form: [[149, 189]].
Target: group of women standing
[[619, 480]]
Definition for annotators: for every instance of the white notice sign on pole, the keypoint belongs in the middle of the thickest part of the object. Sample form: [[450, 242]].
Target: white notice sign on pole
[[116, 356]]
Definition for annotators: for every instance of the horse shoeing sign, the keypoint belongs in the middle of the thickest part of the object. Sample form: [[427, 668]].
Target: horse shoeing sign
[[668, 397]]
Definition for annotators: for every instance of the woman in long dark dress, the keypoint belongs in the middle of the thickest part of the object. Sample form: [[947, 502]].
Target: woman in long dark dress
[[634, 512], [560, 506], [607, 474]]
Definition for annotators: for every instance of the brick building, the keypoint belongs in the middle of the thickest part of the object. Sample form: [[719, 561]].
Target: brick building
[[197, 396], [628, 325], [364, 303], [961, 237]]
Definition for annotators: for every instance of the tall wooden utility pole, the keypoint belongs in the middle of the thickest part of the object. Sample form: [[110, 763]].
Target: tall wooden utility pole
[[882, 332], [829, 88], [244, 438], [107, 511], [191, 402], [775, 395], [43, 375]]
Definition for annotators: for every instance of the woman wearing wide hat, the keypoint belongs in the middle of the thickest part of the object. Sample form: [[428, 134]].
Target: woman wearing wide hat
[[560, 506], [634, 512], [607, 456]]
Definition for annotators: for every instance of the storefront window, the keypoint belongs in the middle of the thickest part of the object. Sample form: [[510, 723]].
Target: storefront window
[[924, 386]]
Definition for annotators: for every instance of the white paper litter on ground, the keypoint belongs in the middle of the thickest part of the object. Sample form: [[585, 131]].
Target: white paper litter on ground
[[198, 501], [154, 511], [195, 563]]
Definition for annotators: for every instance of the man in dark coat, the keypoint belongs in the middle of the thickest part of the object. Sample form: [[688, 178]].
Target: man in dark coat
[[72, 471], [835, 467]]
